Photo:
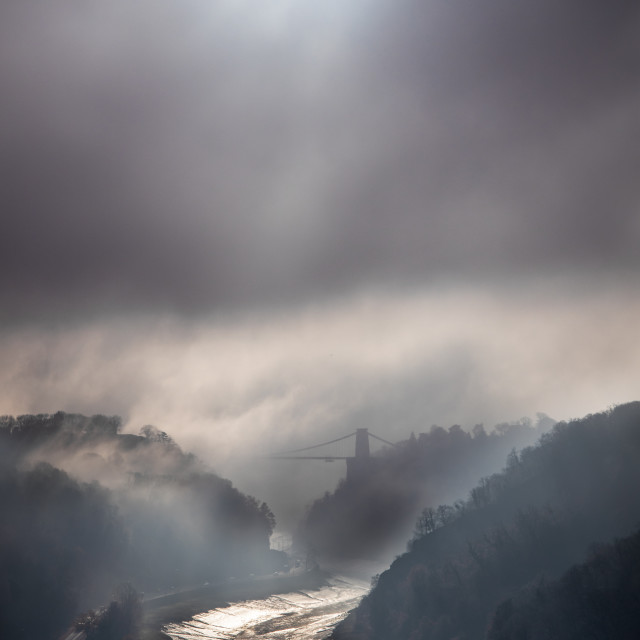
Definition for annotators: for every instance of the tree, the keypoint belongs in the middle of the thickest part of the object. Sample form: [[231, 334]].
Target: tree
[[426, 522], [119, 621], [268, 516]]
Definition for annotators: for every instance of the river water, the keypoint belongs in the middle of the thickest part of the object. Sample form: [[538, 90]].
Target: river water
[[300, 615]]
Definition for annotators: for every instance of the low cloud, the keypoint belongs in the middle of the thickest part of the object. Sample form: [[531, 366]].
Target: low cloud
[[392, 363]]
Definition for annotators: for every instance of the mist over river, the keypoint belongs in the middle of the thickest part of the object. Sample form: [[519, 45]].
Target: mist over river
[[304, 614]]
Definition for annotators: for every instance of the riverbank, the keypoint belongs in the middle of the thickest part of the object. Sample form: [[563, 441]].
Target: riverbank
[[181, 606]]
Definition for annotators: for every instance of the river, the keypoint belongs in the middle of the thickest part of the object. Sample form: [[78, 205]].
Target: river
[[300, 615]]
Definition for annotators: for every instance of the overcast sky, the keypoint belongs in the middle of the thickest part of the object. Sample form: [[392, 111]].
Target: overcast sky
[[272, 222]]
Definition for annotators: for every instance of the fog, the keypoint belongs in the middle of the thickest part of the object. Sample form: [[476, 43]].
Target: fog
[[233, 389]]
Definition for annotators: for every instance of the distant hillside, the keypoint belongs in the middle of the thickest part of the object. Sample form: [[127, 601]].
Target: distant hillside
[[529, 523], [378, 505], [85, 508]]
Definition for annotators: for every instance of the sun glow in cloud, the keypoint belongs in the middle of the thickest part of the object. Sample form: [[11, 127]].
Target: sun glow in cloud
[[279, 17]]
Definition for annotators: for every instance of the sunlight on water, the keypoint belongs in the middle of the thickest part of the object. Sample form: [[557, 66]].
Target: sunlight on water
[[291, 616]]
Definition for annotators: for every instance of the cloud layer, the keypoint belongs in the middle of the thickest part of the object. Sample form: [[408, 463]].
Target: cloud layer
[[196, 156]]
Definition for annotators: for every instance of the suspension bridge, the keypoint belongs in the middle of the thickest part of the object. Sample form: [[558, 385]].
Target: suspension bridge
[[357, 463]]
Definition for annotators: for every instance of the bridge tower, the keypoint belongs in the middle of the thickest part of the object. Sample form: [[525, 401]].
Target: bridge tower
[[362, 444], [361, 465]]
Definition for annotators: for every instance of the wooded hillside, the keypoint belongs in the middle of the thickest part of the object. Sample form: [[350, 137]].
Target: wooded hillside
[[518, 528]]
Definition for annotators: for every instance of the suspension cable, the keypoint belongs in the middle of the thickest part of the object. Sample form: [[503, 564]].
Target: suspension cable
[[382, 440], [315, 446]]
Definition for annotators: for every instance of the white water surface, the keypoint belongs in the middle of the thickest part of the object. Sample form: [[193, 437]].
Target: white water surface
[[300, 615]]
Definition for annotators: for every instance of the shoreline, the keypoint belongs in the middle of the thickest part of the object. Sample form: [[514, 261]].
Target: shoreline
[[182, 606]]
